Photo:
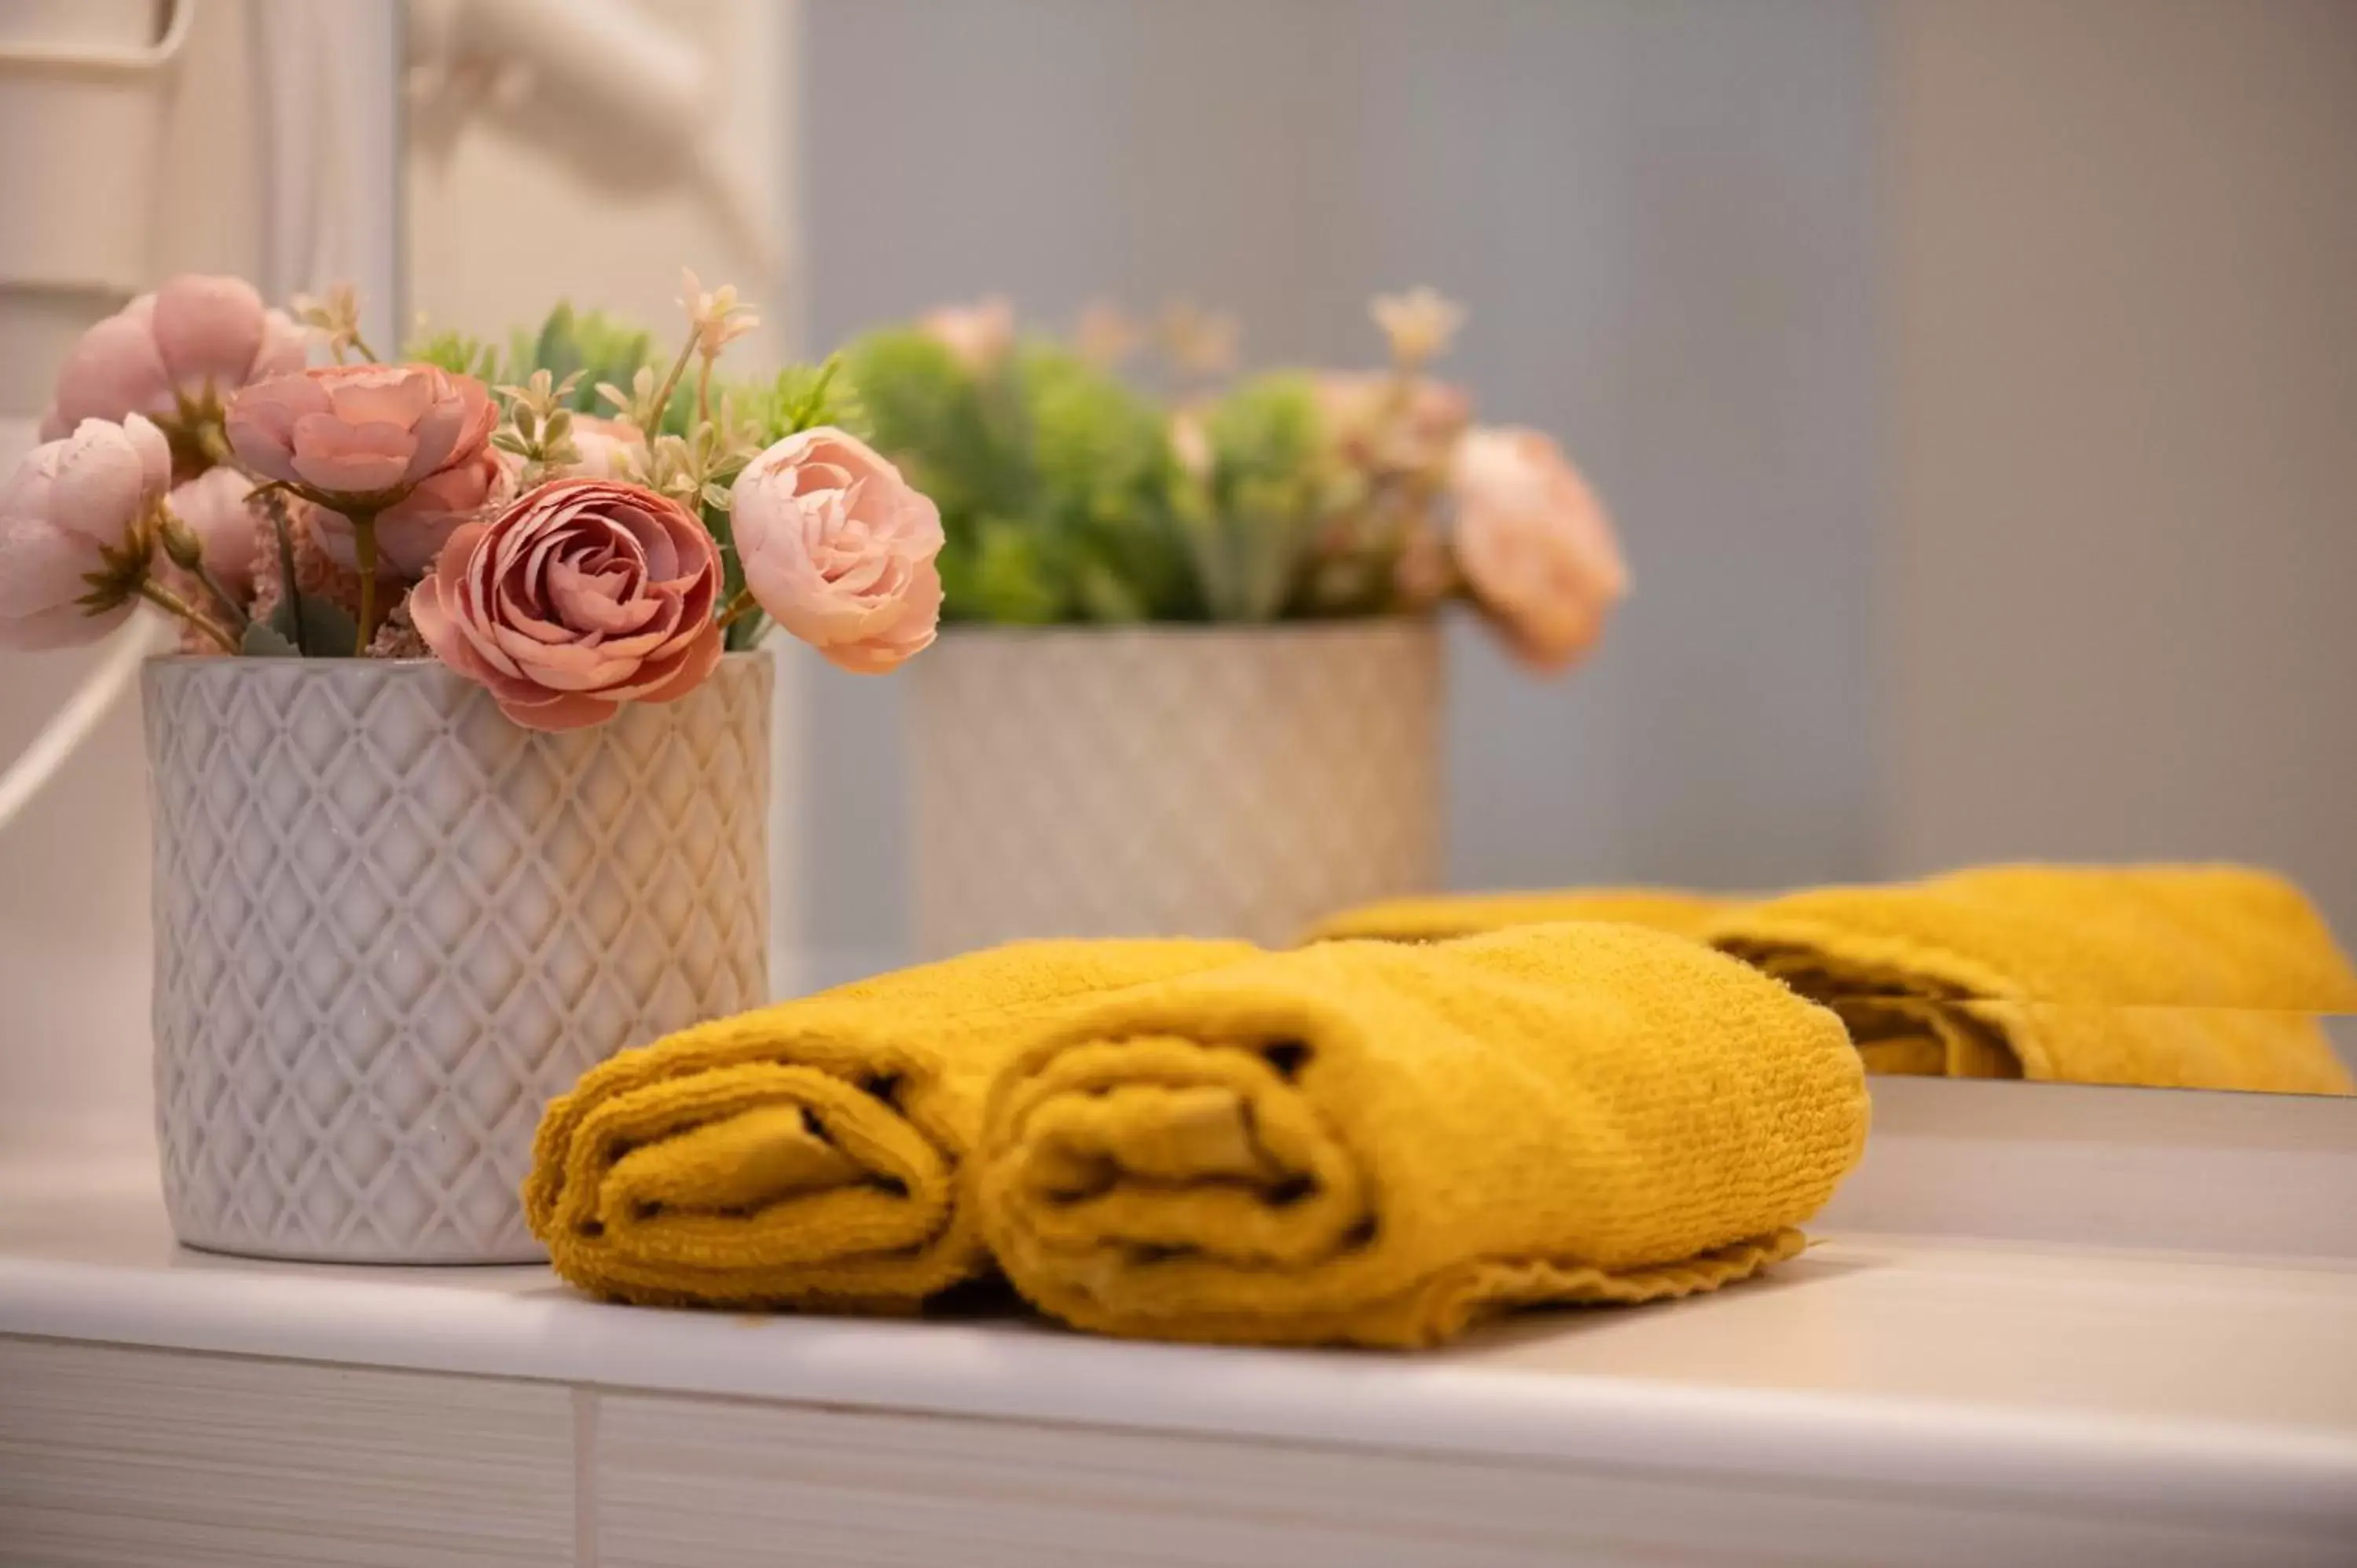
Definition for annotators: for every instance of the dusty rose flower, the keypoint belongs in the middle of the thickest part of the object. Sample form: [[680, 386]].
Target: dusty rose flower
[[194, 342], [360, 430], [410, 534], [838, 548], [1199, 342], [69, 502], [214, 507], [1105, 336], [1190, 443], [581, 595], [398, 637], [1373, 426], [1420, 325], [977, 336], [1535, 544], [1423, 573]]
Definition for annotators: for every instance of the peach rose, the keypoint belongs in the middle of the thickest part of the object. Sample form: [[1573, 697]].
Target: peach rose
[[364, 431], [195, 340], [1535, 547], [838, 548], [68, 503], [214, 507], [977, 336], [581, 595]]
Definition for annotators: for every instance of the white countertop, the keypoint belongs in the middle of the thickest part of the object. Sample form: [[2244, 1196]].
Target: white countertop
[[2036, 1370]]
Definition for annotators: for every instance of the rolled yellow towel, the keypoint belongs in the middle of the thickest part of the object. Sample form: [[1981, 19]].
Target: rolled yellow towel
[[1440, 916], [2185, 976], [814, 1153], [1372, 1143]]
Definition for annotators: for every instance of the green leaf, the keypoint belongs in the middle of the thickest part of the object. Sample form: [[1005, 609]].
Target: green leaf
[[263, 640], [317, 626], [1105, 597]]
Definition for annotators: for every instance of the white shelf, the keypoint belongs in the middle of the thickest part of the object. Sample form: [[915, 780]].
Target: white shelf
[[1925, 1365]]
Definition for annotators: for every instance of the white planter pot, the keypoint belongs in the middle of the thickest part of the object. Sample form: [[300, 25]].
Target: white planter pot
[[390, 925], [1171, 780]]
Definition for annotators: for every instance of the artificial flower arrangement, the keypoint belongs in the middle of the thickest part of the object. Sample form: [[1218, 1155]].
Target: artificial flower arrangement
[[568, 561], [1068, 495]]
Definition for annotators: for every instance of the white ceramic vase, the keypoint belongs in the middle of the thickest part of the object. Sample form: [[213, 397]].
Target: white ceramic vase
[[1171, 780], [391, 925]]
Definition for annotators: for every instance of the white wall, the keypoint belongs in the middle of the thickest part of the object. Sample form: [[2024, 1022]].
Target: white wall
[[73, 868], [499, 231]]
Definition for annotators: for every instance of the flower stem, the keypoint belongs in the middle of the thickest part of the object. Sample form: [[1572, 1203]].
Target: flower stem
[[704, 390], [737, 608], [670, 385], [172, 604], [365, 557], [234, 612], [359, 346], [274, 503]]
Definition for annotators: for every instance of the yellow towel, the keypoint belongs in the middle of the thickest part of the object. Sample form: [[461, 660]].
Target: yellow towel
[[1372, 1142], [2193, 977], [1441, 916], [810, 1154]]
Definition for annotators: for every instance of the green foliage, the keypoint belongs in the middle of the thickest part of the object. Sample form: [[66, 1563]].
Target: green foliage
[[1054, 482], [592, 343], [460, 352], [796, 398], [1271, 484], [600, 347], [263, 640]]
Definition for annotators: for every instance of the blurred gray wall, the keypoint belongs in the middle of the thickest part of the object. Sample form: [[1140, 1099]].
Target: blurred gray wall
[[1663, 214], [2123, 586]]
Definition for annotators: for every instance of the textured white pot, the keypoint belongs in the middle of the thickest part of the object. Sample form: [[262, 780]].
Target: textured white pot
[[390, 925], [1171, 780]]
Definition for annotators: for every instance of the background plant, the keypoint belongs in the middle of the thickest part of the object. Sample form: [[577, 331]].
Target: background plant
[[1070, 495]]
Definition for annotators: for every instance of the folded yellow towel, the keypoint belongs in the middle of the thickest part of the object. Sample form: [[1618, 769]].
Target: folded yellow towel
[[1440, 916], [1375, 1142], [812, 1153], [2193, 977]]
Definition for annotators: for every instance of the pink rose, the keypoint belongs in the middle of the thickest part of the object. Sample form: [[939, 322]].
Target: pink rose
[[838, 548], [603, 445], [68, 502], [196, 339], [582, 595], [214, 507], [410, 534], [360, 431], [977, 336], [1534, 545]]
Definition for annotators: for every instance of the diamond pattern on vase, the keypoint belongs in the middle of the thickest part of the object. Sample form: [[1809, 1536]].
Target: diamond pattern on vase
[[1168, 780], [391, 925]]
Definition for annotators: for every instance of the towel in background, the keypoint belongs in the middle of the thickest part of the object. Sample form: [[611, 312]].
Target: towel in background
[[1440, 916], [813, 1153], [1375, 1142], [2189, 977]]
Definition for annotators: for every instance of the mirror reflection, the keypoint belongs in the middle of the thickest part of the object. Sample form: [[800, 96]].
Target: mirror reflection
[[1857, 486], [1855, 443]]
